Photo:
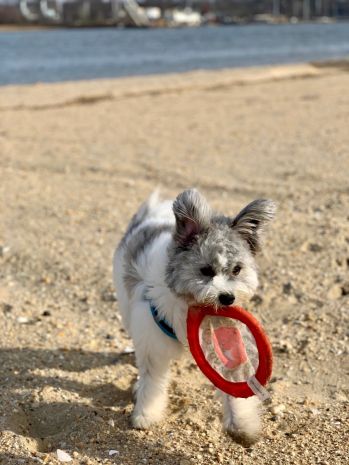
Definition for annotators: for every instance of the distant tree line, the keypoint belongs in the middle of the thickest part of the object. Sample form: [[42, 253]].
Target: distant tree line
[[106, 11], [306, 9]]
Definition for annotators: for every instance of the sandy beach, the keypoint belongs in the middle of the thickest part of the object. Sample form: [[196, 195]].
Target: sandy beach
[[76, 161]]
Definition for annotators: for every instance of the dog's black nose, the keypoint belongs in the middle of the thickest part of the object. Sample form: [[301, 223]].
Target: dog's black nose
[[226, 299]]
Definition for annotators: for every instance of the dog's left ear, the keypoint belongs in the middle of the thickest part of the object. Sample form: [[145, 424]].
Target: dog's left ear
[[251, 221]]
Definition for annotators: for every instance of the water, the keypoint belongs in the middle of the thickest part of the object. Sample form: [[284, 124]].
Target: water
[[71, 54]]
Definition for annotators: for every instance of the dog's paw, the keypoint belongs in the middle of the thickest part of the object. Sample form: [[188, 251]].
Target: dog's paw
[[242, 421], [240, 435], [143, 421]]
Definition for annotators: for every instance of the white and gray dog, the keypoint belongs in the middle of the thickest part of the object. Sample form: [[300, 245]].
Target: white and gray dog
[[175, 254]]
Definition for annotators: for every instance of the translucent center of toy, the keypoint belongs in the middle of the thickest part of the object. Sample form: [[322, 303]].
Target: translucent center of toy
[[229, 347]]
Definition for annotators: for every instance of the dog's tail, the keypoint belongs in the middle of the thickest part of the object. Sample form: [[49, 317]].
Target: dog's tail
[[144, 211], [153, 201]]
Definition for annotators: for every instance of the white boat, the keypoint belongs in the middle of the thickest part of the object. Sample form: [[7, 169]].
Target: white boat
[[186, 17]]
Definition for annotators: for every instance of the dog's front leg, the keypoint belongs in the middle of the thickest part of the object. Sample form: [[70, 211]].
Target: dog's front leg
[[150, 392], [154, 351], [241, 418]]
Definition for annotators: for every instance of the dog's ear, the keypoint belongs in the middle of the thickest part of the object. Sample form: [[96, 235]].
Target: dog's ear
[[251, 221], [193, 216]]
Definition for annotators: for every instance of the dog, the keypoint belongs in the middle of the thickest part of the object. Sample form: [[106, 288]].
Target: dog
[[173, 255]]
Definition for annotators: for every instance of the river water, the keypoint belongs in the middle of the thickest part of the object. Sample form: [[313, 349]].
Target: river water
[[72, 54]]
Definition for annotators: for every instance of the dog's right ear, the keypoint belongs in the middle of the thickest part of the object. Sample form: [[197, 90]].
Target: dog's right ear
[[252, 220], [193, 216]]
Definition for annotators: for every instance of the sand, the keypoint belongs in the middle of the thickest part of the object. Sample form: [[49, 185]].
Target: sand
[[76, 160]]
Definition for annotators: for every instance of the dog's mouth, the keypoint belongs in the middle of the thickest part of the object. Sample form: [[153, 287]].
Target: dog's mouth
[[241, 299], [193, 302], [212, 302]]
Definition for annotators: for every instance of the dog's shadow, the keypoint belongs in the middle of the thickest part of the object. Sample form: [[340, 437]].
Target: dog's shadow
[[96, 420]]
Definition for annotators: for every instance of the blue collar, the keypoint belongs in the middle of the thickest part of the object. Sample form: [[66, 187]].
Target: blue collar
[[162, 323]]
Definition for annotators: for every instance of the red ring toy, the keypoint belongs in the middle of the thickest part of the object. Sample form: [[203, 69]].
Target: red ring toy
[[239, 389]]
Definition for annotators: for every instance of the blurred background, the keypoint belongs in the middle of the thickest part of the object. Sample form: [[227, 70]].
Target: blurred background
[[87, 39]]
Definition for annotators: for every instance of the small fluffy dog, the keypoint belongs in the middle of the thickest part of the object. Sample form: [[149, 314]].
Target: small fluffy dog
[[175, 254]]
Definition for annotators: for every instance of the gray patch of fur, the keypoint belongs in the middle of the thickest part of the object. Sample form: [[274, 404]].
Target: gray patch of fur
[[136, 246], [137, 219], [143, 239], [131, 278]]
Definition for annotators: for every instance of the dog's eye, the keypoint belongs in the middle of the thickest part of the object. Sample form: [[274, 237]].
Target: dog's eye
[[236, 270], [208, 271]]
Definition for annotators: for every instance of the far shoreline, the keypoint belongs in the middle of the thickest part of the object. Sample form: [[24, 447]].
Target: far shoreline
[[48, 27]]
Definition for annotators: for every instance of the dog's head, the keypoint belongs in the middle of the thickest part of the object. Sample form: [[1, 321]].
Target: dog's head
[[212, 258]]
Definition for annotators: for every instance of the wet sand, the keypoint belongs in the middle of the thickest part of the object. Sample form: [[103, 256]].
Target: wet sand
[[76, 161]]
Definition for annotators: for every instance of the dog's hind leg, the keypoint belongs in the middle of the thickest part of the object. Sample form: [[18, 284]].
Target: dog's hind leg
[[241, 418]]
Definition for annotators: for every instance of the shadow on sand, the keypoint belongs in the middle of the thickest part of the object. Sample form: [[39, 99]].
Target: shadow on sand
[[89, 418]]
